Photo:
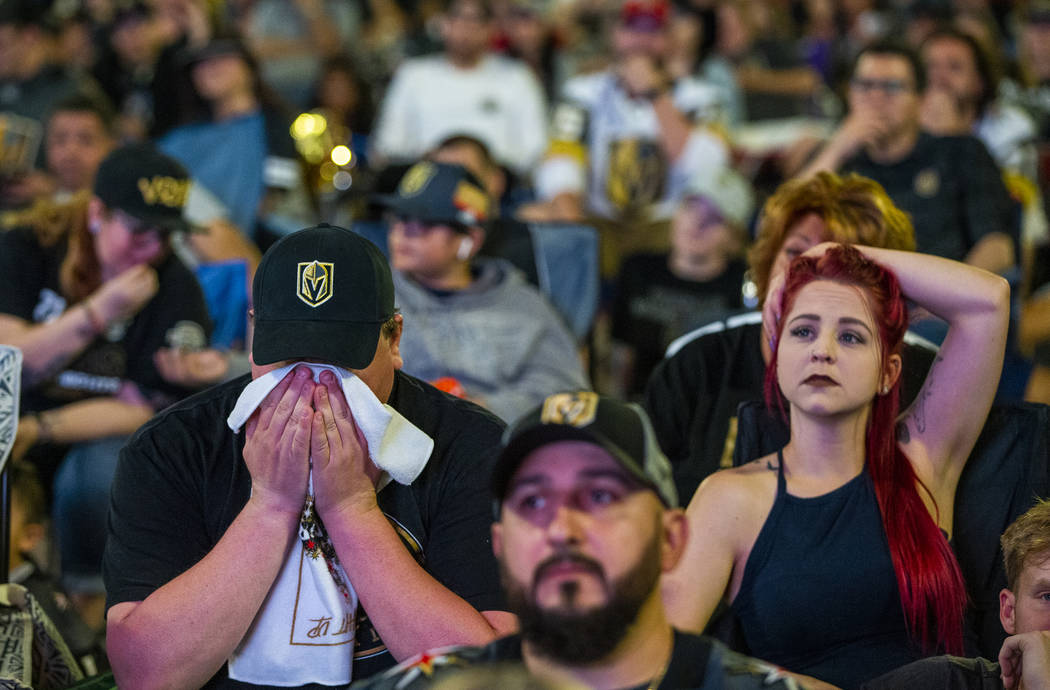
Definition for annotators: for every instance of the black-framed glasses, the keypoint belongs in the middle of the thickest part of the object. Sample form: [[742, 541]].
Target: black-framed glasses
[[890, 87]]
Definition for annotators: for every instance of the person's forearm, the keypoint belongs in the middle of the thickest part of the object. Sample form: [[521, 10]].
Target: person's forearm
[[674, 126], [949, 289], [46, 347], [91, 419], [181, 635], [829, 159], [390, 584], [993, 252]]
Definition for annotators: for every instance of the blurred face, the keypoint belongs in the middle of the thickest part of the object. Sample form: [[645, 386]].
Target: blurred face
[[828, 360], [950, 66], [1028, 609], [574, 525], [76, 143], [422, 249], [221, 76], [630, 41], [808, 232], [1035, 49], [697, 228], [338, 92], [122, 241], [466, 31], [133, 40], [884, 86]]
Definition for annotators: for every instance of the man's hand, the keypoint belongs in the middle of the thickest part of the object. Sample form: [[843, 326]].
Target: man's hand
[[859, 129], [1025, 661], [940, 113], [277, 446], [191, 368], [124, 295], [344, 475]]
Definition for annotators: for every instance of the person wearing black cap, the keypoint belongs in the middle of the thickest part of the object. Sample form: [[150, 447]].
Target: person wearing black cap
[[89, 291], [474, 319], [239, 559], [587, 522]]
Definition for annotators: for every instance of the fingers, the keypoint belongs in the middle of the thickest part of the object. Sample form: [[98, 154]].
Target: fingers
[[280, 402]]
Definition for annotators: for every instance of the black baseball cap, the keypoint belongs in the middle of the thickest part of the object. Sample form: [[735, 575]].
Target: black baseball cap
[[622, 429], [439, 193], [146, 184], [321, 293], [217, 47]]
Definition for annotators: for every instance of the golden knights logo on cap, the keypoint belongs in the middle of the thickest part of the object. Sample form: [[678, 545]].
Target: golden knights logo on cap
[[573, 409], [416, 178], [314, 282], [164, 190]]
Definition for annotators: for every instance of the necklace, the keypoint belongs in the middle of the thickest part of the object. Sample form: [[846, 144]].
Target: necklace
[[659, 677]]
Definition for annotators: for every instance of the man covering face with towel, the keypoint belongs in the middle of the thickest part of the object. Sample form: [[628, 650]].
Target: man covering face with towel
[[313, 523]]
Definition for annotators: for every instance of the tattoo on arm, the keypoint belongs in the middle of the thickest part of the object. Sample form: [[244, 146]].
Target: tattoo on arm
[[919, 410], [903, 435], [770, 465]]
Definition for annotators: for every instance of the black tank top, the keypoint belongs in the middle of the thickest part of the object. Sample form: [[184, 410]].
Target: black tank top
[[819, 595]]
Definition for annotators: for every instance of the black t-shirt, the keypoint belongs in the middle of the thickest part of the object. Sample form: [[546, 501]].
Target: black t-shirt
[[182, 480], [951, 188], [177, 316], [653, 306], [692, 397]]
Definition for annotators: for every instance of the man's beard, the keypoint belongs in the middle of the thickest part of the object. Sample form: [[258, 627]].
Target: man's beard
[[584, 636]]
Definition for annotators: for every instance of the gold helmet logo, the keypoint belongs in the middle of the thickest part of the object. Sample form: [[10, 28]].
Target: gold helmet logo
[[574, 409], [416, 178], [314, 282]]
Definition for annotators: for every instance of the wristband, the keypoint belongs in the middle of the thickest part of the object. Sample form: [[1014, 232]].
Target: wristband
[[97, 323]]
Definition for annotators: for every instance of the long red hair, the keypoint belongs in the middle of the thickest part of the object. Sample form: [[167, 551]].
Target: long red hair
[[933, 595]]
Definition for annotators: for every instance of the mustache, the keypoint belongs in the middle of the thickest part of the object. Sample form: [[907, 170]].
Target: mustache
[[561, 559]]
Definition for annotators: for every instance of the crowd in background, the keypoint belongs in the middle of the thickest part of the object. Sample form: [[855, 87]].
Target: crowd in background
[[664, 126]]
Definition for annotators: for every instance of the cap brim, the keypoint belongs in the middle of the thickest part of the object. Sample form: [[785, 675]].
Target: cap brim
[[528, 440], [413, 207], [349, 344]]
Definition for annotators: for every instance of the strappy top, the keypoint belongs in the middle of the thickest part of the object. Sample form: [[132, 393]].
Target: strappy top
[[819, 595]]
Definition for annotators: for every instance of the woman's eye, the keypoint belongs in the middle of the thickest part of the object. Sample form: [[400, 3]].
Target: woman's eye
[[852, 338], [532, 502], [801, 331]]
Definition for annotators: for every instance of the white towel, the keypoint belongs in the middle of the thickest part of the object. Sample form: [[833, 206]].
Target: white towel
[[304, 632]]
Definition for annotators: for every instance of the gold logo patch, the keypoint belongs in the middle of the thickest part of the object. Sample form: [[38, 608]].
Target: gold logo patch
[[574, 409], [314, 281], [166, 191], [416, 178]]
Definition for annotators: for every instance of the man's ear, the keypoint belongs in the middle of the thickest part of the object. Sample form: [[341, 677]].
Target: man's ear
[[395, 342], [1007, 608], [497, 539], [675, 536]]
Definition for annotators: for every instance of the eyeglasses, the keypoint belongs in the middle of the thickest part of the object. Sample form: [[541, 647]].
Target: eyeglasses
[[890, 87]]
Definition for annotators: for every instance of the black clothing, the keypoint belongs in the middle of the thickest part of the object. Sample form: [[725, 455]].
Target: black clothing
[[941, 673], [696, 662], [653, 306], [182, 480], [693, 395], [951, 188], [819, 594], [176, 316]]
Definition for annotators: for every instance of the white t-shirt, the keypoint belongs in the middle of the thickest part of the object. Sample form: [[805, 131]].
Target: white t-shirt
[[499, 102]]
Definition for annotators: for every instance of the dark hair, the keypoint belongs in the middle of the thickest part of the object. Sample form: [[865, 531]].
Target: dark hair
[[933, 595], [895, 49], [989, 80], [361, 119], [82, 103], [467, 140], [484, 5]]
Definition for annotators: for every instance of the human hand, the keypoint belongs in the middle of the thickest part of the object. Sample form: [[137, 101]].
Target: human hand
[[27, 436], [124, 295], [940, 114], [1025, 661], [860, 128], [641, 75], [344, 474], [277, 443], [191, 368]]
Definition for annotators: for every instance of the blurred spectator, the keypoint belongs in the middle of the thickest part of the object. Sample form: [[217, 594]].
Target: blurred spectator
[[79, 135], [660, 297], [966, 217], [474, 319], [31, 82], [90, 290], [463, 90], [625, 141], [292, 38], [691, 52], [345, 98], [240, 147], [530, 35]]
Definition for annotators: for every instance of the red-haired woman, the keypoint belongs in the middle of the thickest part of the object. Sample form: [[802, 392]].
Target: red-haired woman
[[834, 551]]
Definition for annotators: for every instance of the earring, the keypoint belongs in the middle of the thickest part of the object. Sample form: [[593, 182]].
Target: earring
[[885, 390], [466, 245], [95, 227]]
